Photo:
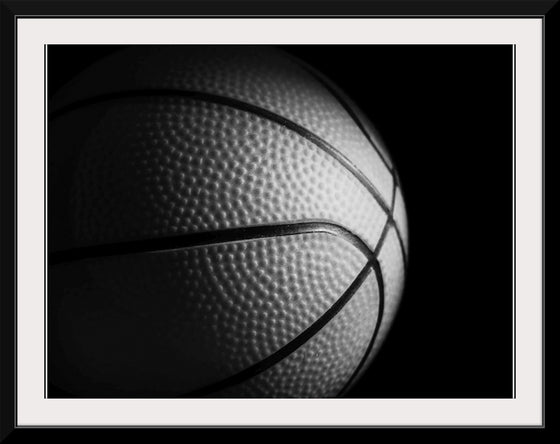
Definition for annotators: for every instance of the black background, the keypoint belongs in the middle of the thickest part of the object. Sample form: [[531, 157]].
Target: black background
[[445, 113]]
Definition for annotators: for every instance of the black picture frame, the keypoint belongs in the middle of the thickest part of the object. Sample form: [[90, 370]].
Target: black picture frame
[[11, 11]]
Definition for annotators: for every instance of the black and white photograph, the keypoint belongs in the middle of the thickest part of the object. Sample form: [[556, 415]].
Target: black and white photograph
[[228, 221], [274, 220]]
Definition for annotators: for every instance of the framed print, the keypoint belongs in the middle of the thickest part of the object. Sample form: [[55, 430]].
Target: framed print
[[273, 216]]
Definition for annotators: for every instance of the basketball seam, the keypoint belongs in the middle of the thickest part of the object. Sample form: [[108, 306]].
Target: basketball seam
[[295, 343], [252, 109], [343, 101], [383, 236], [378, 247], [258, 368], [206, 238], [378, 320], [399, 238]]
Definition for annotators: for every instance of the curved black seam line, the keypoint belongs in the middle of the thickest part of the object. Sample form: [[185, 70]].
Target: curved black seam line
[[388, 223], [205, 238], [242, 106], [394, 194], [380, 285], [293, 345], [391, 222], [378, 320], [401, 245], [343, 101]]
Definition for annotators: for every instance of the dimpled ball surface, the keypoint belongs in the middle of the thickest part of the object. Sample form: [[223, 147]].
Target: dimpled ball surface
[[179, 142]]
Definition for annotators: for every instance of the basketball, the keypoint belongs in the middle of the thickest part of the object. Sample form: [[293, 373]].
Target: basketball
[[228, 223]]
